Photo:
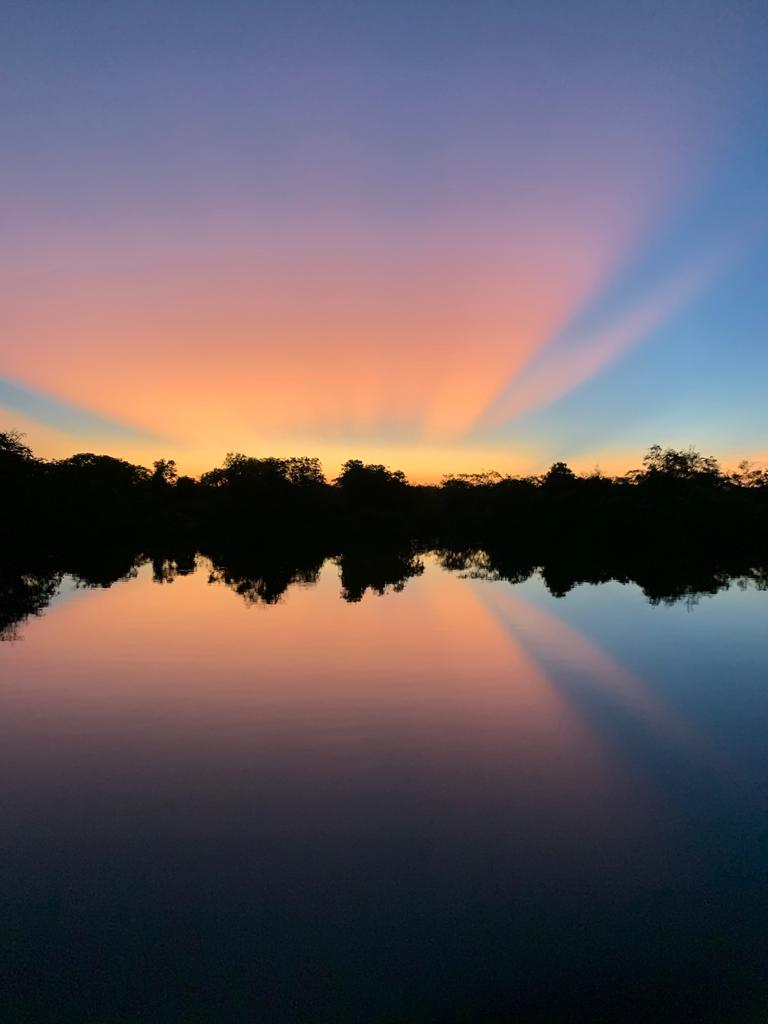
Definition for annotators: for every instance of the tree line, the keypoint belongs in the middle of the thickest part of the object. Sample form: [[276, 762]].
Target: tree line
[[677, 499]]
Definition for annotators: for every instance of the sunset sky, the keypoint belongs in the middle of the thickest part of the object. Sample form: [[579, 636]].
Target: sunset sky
[[441, 234]]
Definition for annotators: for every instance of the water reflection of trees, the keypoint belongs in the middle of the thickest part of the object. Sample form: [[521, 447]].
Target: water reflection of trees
[[663, 579], [101, 567], [21, 596], [378, 569], [262, 575], [476, 563], [169, 565], [27, 586]]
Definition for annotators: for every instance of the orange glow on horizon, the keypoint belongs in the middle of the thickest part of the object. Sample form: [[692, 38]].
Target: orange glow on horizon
[[370, 339]]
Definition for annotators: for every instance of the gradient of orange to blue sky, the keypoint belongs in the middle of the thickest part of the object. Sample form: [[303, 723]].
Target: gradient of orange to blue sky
[[438, 234]]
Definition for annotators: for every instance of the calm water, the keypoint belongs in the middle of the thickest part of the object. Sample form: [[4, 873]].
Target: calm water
[[466, 801]]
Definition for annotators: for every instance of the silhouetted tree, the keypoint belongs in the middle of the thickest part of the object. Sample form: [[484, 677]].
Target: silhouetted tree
[[680, 464], [367, 483], [164, 473], [750, 475], [12, 449], [247, 473], [559, 475]]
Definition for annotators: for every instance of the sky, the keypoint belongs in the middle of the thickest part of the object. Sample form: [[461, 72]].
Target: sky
[[446, 235]]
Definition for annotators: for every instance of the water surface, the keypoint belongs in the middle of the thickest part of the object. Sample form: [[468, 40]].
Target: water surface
[[461, 800]]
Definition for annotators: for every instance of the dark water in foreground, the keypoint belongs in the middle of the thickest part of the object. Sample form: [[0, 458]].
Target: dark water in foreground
[[468, 801]]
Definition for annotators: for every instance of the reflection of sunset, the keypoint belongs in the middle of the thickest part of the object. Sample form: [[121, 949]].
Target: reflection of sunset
[[555, 643], [429, 666], [453, 766]]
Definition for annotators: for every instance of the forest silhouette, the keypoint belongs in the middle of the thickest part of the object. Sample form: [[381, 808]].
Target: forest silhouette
[[679, 527], [678, 498]]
